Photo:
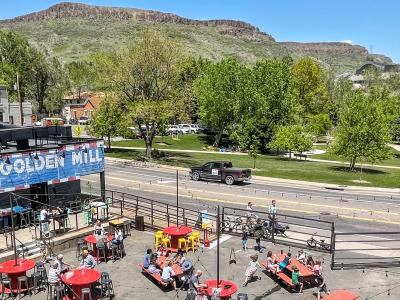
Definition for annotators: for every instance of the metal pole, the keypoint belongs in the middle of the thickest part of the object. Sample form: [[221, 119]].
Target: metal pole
[[218, 233], [20, 102], [13, 230], [177, 198]]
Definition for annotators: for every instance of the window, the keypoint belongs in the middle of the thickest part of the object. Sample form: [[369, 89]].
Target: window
[[208, 166], [217, 166]]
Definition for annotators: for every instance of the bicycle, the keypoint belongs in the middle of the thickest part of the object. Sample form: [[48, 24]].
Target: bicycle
[[314, 243], [233, 223]]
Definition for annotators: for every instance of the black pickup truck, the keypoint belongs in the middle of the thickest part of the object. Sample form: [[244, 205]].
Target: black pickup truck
[[220, 171]]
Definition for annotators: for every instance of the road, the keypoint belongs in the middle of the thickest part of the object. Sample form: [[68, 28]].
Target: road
[[351, 211]]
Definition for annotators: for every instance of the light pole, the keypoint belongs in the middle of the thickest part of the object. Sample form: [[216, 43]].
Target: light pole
[[13, 231], [218, 233], [177, 197]]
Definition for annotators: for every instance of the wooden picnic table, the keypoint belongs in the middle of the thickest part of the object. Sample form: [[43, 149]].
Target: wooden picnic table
[[305, 272], [161, 262], [342, 295]]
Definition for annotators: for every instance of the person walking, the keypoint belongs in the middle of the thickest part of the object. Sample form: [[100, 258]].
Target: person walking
[[251, 269], [245, 237], [258, 232]]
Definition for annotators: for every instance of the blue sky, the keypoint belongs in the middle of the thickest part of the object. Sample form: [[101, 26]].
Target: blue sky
[[371, 23]]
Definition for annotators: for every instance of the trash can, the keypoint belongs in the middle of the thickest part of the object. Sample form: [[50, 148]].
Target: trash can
[[139, 223]]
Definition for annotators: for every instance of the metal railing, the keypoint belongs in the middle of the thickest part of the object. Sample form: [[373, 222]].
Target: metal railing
[[158, 214], [282, 229], [361, 250]]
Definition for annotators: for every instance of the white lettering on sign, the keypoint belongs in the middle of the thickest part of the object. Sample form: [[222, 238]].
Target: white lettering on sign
[[91, 157], [5, 169], [76, 158], [50, 162], [30, 167], [60, 161], [40, 163], [19, 166], [214, 172]]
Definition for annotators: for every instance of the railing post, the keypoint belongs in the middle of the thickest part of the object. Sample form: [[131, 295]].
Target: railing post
[[223, 219], [137, 206], [122, 203], [152, 216], [76, 220], [183, 216], [167, 220]]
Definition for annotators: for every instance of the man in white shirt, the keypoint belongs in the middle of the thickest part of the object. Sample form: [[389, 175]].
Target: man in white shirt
[[167, 273], [44, 221], [54, 276]]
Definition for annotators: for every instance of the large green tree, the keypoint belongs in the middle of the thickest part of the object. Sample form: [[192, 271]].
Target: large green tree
[[310, 86], [364, 127], [143, 75], [220, 90], [267, 103]]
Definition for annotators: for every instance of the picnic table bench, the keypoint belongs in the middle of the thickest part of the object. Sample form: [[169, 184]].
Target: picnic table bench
[[155, 276]]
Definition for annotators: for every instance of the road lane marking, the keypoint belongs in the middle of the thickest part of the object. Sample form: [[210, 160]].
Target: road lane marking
[[222, 239]]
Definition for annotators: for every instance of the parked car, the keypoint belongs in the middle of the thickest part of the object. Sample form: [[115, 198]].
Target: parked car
[[220, 171], [83, 120], [134, 133], [173, 129], [186, 128], [198, 128], [49, 122]]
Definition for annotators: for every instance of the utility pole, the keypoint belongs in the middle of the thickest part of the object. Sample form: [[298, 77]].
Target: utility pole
[[19, 100], [218, 233], [13, 230]]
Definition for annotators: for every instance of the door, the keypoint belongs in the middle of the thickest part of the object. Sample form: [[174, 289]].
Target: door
[[206, 171], [215, 173]]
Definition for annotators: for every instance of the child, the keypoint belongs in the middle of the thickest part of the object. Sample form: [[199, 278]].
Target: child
[[317, 268], [284, 263], [295, 279], [301, 257], [321, 286], [271, 263], [310, 262], [251, 269], [245, 236]]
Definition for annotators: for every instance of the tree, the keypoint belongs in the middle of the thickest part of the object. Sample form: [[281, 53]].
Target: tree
[[107, 121], [364, 127], [143, 76], [267, 103], [291, 138], [81, 76], [319, 124], [309, 86], [219, 91]]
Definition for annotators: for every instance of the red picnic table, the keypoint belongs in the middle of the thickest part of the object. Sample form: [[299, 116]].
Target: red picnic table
[[161, 261], [342, 295], [307, 274], [177, 232], [228, 288], [14, 271], [79, 279], [91, 239]]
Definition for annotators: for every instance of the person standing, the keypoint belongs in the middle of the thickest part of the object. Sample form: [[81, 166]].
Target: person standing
[[272, 211], [321, 286], [258, 232], [44, 221], [245, 237]]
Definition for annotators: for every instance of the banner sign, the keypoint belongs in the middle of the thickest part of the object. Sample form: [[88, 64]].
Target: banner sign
[[18, 171]]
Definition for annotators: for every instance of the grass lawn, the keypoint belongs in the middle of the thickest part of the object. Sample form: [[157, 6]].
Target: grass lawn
[[273, 166], [394, 161], [184, 142]]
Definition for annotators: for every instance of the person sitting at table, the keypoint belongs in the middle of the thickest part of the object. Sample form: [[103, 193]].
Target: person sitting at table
[[87, 260], [54, 275], [62, 266], [310, 262], [153, 268], [100, 239], [295, 279], [99, 226], [272, 264], [284, 263], [161, 250], [147, 259], [179, 258], [301, 257], [167, 274], [251, 269], [118, 237], [197, 288]]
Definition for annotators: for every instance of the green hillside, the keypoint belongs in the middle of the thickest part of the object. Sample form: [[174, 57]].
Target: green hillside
[[82, 30]]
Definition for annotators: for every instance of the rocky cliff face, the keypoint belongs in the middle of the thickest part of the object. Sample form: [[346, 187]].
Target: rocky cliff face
[[336, 47], [73, 10]]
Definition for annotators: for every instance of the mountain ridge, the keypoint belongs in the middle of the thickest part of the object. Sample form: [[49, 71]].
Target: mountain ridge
[[73, 31]]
